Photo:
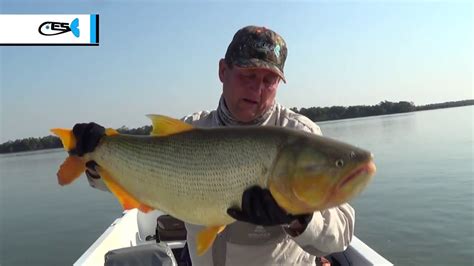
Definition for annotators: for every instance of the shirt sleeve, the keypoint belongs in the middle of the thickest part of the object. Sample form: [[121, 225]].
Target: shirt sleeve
[[300, 122], [328, 231], [197, 119]]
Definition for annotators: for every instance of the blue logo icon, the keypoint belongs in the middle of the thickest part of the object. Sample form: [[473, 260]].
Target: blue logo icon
[[50, 28]]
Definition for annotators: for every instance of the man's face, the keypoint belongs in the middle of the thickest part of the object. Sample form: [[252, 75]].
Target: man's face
[[248, 92]]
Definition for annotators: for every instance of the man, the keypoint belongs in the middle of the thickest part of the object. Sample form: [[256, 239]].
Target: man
[[264, 234]]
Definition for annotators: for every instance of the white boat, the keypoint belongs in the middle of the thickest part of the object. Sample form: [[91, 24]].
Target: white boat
[[134, 229]]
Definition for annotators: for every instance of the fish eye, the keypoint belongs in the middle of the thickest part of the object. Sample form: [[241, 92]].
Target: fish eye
[[352, 155], [339, 163]]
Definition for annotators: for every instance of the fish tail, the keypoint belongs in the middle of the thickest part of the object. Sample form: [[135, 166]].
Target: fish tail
[[74, 26], [67, 138], [71, 169], [73, 166]]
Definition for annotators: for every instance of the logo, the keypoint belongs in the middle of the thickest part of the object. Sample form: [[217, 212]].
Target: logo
[[263, 46], [277, 50], [50, 28]]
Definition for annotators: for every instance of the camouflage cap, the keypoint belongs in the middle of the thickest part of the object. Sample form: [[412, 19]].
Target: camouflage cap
[[257, 47]]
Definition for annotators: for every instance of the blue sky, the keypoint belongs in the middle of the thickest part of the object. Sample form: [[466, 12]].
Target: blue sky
[[162, 57]]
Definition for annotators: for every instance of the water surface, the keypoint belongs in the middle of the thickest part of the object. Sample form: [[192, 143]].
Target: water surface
[[417, 211]]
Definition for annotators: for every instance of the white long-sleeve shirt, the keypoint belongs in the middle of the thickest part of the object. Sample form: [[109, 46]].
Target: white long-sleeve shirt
[[242, 243]]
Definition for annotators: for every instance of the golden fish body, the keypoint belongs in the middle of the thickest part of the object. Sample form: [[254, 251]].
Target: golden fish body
[[195, 175]]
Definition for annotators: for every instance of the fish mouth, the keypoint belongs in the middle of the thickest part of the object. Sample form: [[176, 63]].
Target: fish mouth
[[367, 169]]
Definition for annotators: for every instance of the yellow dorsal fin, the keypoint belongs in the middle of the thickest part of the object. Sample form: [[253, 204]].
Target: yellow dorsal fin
[[71, 169], [164, 126], [111, 132], [126, 199], [67, 137], [206, 237]]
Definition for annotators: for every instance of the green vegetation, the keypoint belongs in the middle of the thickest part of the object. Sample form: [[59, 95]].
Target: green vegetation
[[51, 142], [383, 108], [341, 112], [30, 144], [444, 105], [144, 130], [314, 113]]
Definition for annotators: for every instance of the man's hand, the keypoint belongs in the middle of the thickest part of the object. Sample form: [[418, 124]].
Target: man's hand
[[88, 136], [93, 177], [260, 208], [91, 172]]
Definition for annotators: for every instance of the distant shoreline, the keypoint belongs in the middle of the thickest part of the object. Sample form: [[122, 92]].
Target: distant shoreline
[[316, 114], [32, 152], [344, 119], [320, 114]]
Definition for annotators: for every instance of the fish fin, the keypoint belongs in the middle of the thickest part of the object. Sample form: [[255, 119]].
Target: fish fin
[[292, 206], [311, 191], [71, 169], [206, 237], [74, 23], [67, 137], [111, 132], [74, 26], [164, 126], [126, 200], [145, 208]]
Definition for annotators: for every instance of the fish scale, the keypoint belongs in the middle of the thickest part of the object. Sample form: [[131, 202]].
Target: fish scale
[[191, 175]]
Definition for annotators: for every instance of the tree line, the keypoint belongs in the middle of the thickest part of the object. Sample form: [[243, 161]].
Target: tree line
[[383, 108], [51, 142], [314, 113], [444, 105]]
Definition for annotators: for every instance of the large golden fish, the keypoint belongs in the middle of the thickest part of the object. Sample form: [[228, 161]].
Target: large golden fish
[[196, 174]]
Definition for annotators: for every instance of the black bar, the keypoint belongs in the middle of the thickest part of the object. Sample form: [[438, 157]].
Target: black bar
[[97, 28]]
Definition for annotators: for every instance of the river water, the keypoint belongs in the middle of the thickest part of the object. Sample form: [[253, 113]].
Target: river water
[[418, 210]]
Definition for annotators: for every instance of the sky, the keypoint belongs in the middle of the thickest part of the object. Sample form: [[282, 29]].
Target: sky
[[162, 57]]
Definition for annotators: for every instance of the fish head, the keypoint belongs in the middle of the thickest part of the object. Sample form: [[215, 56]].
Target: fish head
[[315, 173], [46, 28], [50, 28]]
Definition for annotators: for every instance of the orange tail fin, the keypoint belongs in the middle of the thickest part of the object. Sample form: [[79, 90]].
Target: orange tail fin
[[67, 137], [71, 169], [73, 166]]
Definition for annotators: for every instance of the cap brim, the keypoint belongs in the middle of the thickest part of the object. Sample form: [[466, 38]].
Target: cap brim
[[259, 64]]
